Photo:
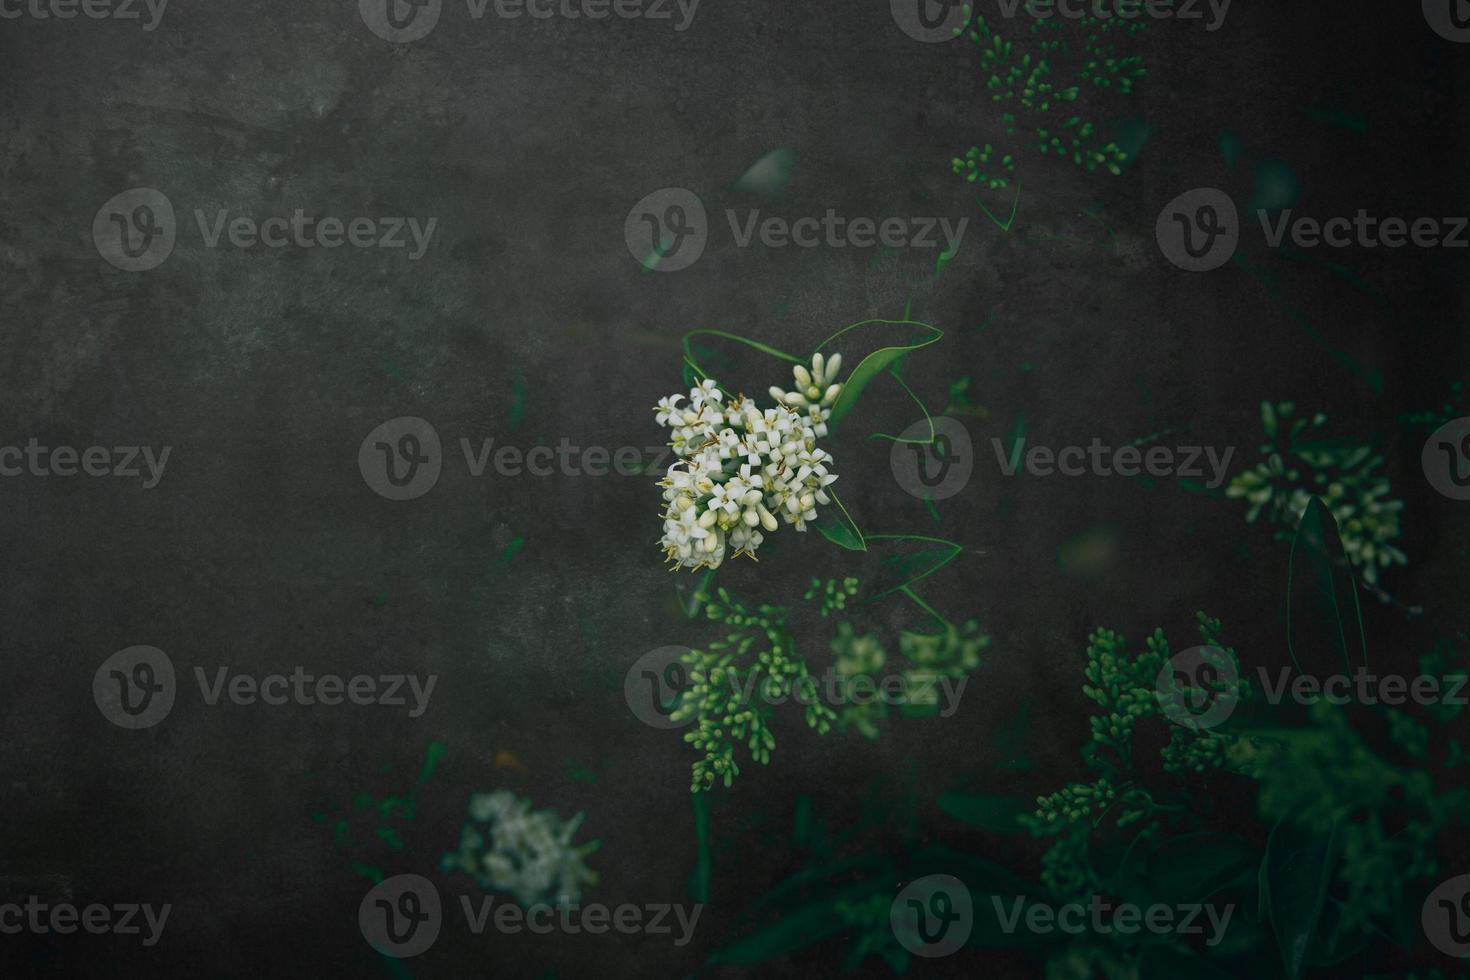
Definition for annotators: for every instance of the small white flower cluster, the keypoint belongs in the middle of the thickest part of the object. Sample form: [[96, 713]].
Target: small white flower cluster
[[506, 847], [740, 468]]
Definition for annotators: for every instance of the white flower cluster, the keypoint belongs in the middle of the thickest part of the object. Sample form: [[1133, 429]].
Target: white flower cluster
[[506, 847], [740, 468]]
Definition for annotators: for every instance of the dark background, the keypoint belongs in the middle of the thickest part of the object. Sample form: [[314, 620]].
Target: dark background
[[528, 321]]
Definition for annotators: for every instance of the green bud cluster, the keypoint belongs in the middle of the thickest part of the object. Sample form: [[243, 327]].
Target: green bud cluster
[[1034, 86], [1299, 465], [832, 594]]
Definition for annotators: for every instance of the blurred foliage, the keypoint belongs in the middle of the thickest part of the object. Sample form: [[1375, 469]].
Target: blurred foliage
[[1042, 83], [369, 822], [1352, 805], [737, 680], [505, 846], [1298, 464]]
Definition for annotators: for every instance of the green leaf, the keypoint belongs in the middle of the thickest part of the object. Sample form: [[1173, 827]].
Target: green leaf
[[796, 929], [896, 339], [839, 527], [988, 811], [693, 368], [1171, 963], [1186, 869], [1324, 624], [689, 594], [769, 175], [987, 882], [1296, 874], [908, 558], [791, 892], [700, 879], [1335, 943]]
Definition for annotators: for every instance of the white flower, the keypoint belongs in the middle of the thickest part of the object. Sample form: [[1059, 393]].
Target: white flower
[[506, 847], [817, 387], [667, 409], [742, 468], [705, 393]]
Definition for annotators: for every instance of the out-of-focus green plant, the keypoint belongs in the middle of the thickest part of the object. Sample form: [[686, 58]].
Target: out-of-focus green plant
[[832, 594], [1041, 87], [736, 680], [1298, 464], [1352, 802], [505, 846], [1454, 406]]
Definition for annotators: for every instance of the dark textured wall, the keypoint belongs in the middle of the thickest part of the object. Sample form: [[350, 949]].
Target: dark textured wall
[[527, 320]]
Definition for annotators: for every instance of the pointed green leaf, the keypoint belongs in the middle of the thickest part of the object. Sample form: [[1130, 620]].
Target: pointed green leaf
[[988, 811], [894, 339], [1324, 622], [908, 558], [839, 527], [1296, 874]]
